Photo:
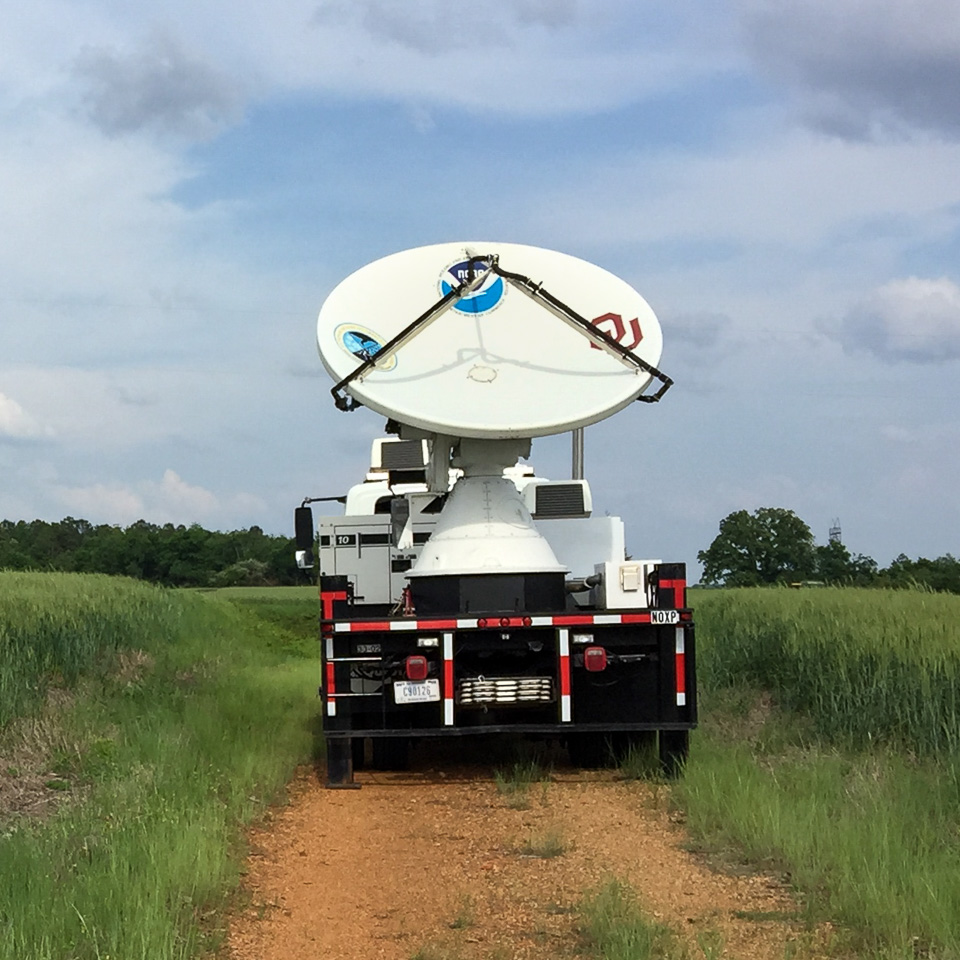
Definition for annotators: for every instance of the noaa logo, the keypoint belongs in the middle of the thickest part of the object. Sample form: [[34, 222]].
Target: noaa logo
[[362, 343], [487, 296]]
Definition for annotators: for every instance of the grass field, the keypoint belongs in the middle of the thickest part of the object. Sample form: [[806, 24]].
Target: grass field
[[160, 713], [864, 665], [828, 750]]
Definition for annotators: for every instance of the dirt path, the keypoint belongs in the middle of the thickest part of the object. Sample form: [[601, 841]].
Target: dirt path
[[438, 862]]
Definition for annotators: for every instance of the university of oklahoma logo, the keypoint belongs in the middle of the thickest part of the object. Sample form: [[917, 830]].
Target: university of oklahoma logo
[[627, 333], [487, 296], [362, 343]]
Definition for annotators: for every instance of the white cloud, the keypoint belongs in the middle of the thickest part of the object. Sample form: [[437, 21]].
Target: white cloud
[[914, 319], [791, 188], [169, 500], [517, 58], [116, 502], [15, 422]]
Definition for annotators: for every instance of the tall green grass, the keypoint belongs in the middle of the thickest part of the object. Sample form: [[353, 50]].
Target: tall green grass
[[865, 665], [165, 760], [615, 928], [58, 627], [870, 840], [829, 750]]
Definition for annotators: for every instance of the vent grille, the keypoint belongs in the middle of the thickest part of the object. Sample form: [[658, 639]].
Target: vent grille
[[559, 500], [402, 455], [482, 691]]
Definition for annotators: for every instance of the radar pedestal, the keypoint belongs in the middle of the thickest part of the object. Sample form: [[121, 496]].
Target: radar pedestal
[[485, 554], [522, 342]]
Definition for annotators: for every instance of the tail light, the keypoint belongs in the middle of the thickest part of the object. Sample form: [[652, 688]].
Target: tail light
[[416, 667], [595, 659]]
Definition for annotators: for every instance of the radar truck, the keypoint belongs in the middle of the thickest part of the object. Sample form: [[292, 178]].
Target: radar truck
[[461, 594]]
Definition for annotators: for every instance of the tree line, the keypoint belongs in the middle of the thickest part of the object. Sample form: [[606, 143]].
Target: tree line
[[773, 545], [176, 556]]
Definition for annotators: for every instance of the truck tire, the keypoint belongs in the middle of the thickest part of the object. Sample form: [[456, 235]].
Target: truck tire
[[674, 747], [391, 753]]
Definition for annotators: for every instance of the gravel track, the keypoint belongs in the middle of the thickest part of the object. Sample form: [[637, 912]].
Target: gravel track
[[435, 859]]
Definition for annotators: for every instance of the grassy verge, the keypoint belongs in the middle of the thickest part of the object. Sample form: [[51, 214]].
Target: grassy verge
[[869, 838], [828, 752], [168, 743]]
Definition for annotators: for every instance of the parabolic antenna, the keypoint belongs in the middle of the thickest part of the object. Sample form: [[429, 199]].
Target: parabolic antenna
[[489, 340]]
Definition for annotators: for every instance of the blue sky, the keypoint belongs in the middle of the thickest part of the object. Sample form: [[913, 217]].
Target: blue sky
[[181, 188]]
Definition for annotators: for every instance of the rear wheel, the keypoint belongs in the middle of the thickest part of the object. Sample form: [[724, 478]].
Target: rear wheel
[[674, 748]]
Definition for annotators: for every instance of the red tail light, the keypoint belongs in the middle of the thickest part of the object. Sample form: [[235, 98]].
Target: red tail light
[[595, 659], [417, 667], [528, 621]]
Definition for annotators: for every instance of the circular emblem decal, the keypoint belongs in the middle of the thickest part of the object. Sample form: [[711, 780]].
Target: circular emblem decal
[[362, 343], [487, 296]]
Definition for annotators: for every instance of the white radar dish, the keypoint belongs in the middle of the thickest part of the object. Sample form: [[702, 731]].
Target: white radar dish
[[497, 362]]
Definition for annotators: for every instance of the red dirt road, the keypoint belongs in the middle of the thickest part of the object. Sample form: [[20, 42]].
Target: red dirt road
[[439, 862]]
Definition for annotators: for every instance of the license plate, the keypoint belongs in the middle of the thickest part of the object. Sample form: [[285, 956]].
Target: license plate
[[664, 616], [416, 691]]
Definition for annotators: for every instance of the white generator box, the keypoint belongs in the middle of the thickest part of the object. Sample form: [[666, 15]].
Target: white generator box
[[623, 585]]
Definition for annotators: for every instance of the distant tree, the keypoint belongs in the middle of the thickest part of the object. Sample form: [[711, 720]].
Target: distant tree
[[174, 556], [836, 565], [243, 573], [940, 574], [767, 546]]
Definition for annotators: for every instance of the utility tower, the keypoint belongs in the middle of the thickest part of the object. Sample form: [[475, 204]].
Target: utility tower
[[833, 535]]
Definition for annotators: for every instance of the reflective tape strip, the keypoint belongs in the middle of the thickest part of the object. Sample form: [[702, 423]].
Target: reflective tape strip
[[681, 668], [679, 588], [563, 648], [448, 679], [490, 623], [331, 687], [327, 598]]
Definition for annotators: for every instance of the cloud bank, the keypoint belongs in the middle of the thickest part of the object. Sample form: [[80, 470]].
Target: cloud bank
[[863, 68], [912, 320], [159, 86], [169, 500]]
